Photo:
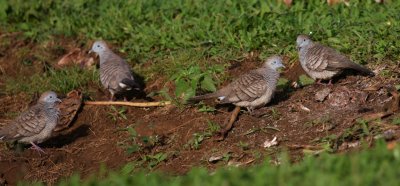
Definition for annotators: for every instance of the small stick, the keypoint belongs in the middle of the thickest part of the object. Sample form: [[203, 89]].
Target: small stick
[[133, 104]]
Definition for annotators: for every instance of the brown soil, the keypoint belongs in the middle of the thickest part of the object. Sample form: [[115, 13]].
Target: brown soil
[[94, 137]]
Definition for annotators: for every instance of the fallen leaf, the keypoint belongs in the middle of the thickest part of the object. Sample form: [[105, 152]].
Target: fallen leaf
[[270, 143], [68, 109], [76, 57], [302, 107], [214, 159]]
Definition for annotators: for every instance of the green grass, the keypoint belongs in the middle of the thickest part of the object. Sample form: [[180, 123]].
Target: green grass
[[378, 166], [146, 29], [61, 81], [180, 33]]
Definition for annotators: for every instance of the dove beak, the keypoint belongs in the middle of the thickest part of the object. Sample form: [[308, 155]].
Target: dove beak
[[58, 100], [90, 51], [298, 48]]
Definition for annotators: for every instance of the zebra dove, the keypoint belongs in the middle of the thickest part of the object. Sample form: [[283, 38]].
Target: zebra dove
[[251, 90], [115, 73], [321, 62], [36, 124]]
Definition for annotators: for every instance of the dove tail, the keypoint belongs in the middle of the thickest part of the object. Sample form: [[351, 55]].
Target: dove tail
[[129, 84], [362, 69], [205, 96]]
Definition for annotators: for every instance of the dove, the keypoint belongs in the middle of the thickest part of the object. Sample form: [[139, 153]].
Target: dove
[[115, 73], [321, 62], [36, 124], [251, 90]]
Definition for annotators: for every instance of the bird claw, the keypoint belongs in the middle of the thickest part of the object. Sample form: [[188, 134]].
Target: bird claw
[[220, 135], [37, 148], [112, 98], [320, 83]]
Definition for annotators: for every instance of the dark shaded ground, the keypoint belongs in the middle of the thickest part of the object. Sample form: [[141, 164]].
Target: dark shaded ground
[[93, 139]]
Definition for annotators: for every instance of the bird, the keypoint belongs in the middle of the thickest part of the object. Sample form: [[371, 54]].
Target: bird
[[115, 73], [252, 89], [322, 62], [36, 124]]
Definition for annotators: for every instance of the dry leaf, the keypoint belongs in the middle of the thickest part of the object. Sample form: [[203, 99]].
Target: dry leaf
[[270, 143], [76, 57], [68, 109]]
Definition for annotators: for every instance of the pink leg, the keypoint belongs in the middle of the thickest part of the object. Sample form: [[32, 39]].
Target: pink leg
[[34, 146], [330, 82], [112, 97]]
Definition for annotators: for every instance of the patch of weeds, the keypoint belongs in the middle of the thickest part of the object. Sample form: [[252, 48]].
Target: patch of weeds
[[397, 87], [396, 121], [275, 114], [227, 156], [324, 120], [304, 80], [387, 73], [189, 80], [364, 127], [62, 81], [150, 141], [135, 143], [359, 131], [130, 144], [197, 139], [164, 93], [212, 127], [205, 108], [153, 160], [322, 147], [117, 113], [257, 154], [283, 84], [243, 145], [328, 138]]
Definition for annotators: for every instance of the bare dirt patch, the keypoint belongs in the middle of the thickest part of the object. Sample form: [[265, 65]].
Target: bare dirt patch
[[295, 117]]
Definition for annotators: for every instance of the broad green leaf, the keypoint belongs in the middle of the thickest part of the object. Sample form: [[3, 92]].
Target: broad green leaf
[[208, 84]]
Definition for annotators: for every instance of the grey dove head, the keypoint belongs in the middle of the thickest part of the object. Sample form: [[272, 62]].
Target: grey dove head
[[274, 62], [99, 47], [302, 41], [49, 97]]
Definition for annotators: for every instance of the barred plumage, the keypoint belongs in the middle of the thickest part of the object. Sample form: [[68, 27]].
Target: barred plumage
[[322, 62], [115, 73], [253, 89], [36, 124]]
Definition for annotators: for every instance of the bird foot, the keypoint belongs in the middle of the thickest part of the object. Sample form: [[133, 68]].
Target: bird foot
[[320, 83], [228, 124], [330, 82], [35, 147]]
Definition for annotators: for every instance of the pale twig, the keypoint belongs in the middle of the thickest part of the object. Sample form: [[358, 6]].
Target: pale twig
[[132, 104]]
